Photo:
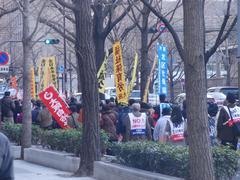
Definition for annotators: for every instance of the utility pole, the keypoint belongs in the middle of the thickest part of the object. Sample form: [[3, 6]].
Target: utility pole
[[238, 51]]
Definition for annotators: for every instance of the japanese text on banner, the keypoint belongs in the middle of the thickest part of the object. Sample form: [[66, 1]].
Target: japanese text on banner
[[56, 105], [163, 69], [102, 74], [33, 84], [42, 73], [134, 71], [53, 71], [119, 75]]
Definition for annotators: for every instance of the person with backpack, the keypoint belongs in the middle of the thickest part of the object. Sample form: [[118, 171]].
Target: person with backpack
[[228, 125], [163, 104], [7, 108]]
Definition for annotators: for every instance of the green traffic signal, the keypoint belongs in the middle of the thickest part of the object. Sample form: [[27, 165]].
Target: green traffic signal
[[52, 41]]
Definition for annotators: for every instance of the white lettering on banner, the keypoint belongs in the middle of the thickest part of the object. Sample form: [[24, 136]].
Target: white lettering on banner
[[57, 107], [47, 95], [164, 49], [138, 124], [163, 81], [235, 113], [164, 57]]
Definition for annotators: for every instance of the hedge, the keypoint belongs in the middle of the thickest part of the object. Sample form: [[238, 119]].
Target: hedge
[[172, 160], [57, 139]]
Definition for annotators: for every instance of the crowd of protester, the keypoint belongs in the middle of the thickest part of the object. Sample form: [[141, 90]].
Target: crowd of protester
[[165, 123]]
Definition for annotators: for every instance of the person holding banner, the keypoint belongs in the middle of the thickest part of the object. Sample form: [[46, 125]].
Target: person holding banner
[[45, 118], [137, 125]]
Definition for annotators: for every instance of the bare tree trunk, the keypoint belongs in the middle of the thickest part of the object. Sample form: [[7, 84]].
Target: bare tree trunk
[[145, 66], [90, 149], [228, 67], [99, 40], [201, 162], [27, 120]]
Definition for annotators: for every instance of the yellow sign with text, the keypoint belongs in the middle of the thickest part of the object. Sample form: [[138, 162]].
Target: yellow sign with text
[[33, 84], [134, 71], [102, 74], [119, 75]]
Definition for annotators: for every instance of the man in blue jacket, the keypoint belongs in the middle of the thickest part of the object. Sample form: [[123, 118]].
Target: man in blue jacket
[[6, 159]]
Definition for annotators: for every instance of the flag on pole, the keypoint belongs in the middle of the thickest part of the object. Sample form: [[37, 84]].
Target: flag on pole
[[101, 75], [119, 75], [134, 71]]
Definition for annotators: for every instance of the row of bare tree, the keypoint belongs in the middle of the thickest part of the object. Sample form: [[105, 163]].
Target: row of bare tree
[[95, 21]]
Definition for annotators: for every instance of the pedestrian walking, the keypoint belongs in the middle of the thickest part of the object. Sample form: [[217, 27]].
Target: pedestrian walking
[[7, 108], [137, 125], [108, 122], [73, 118], [177, 136], [163, 129], [212, 112], [6, 159], [45, 118], [228, 116]]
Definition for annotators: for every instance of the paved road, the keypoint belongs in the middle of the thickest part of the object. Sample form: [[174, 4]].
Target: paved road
[[24, 170]]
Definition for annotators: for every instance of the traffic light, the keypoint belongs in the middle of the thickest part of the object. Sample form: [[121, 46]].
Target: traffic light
[[52, 41]]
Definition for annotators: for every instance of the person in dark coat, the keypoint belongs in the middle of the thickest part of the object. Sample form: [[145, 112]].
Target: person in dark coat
[[137, 125], [17, 112], [6, 159], [108, 122], [224, 130], [35, 111], [7, 108]]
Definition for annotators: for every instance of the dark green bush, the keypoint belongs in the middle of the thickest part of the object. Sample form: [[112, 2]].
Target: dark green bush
[[57, 139], [172, 160]]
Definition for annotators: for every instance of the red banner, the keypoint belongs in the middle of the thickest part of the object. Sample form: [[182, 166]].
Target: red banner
[[56, 105]]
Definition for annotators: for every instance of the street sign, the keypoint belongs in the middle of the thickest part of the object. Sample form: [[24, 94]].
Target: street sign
[[4, 58], [61, 69], [161, 28], [4, 69]]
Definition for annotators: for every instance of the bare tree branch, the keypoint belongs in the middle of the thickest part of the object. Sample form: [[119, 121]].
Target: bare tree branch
[[19, 5], [37, 20], [169, 27], [110, 26], [61, 10], [67, 5], [55, 26]]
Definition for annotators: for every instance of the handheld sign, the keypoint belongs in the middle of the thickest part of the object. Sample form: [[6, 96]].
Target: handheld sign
[[56, 105]]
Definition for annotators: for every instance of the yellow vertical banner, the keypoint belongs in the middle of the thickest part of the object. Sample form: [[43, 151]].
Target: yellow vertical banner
[[33, 84], [52, 70], [43, 74], [149, 80], [101, 75], [134, 71], [119, 75]]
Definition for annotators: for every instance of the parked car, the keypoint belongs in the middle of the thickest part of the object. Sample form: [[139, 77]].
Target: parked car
[[181, 97], [224, 89], [110, 92], [218, 97], [152, 98]]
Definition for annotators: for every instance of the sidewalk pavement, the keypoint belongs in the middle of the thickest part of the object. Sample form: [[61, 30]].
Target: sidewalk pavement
[[24, 170]]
